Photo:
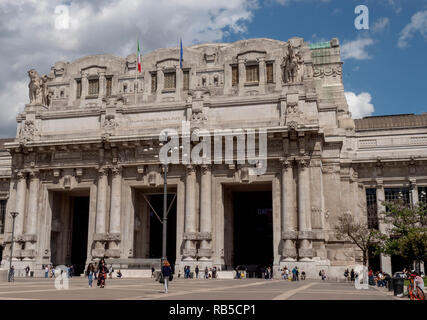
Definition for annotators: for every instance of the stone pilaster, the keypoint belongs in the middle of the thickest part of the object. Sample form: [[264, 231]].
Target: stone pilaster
[[116, 198], [205, 211], [289, 233], [85, 86], [160, 82], [305, 251], [242, 75], [385, 261], [31, 222], [190, 213], [262, 75], [102, 84], [101, 213], [21, 195]]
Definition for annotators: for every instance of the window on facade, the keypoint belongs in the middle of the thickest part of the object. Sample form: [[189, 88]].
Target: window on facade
[[170, 80], [78, 88], [125, 88], [397, 194], [2, 214], [234, 76], [371, 206], [109, 85], [269, 67], [93, 86], [252, 73], [186, 80], [422, 194], [153, 82]]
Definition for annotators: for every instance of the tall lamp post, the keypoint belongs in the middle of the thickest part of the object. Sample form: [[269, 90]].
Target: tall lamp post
[[165, 211], [14, 215]]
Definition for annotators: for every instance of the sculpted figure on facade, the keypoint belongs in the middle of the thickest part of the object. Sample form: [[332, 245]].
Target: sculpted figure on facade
[[39, 92], [293, 65]]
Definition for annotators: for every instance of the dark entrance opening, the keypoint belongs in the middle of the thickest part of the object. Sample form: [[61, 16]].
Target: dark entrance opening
[[253, 230], [80, 214], [374, 260], [156, 228]]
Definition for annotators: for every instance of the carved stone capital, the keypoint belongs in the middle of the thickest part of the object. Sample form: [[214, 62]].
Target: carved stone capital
[[190, 169], [113, 253], [304, 163], [106, 237], [289, 235], [21, 175], [189, 253], [102, 172], [206, 168], [31, 253], [305, 235], [289, 253], [34, 174], [190, 236], [286, 164], [117, 171], [306, 253], [204, 253], [98, 253]]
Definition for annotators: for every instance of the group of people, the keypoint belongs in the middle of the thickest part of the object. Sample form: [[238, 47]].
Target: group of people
[[349, 275], [293, 275], [208, 273], [100, 273]]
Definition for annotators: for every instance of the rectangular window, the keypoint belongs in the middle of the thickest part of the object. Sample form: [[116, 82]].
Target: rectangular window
[[371, 206], [2, 214], [234, 76], [153, 82], [397, 194], [252, 73], [78, 88], [186, 80], [270, 78], [93, 87], [170, 80], [109, 85]]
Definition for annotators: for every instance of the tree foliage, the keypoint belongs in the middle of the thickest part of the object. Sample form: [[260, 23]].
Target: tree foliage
[[348, 228], [406, 233]]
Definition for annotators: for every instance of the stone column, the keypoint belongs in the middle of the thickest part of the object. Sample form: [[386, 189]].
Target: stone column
[[179, 76], [102, 84], [242, 75], [159, 81], [414, 191], [288, 211], [101, 213], [385, 261], [190, 213], [85, 86], [262, 75], [21, 195], [304, 217], [205, 212], [116, 199], [31, 222]]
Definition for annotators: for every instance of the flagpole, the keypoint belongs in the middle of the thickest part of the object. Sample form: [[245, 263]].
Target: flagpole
[[136, 69]]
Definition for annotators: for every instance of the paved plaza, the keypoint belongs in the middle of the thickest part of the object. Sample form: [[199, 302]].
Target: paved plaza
[[192, 289]]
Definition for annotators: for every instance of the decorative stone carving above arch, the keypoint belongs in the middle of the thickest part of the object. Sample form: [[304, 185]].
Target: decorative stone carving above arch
[[251, 55], [167, 63]]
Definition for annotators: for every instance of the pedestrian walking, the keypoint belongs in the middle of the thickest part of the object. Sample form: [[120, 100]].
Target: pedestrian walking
[[297, 273], [294, 274], [27, 271], [46, 271], [152, 271], [214, 272], [352, 275], [197, 272], [89, 272], [166, 272], [102, 275], [206, 273]]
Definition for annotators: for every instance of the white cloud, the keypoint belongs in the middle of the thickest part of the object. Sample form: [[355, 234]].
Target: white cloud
[[359, 105], [356, 49], [380, 25], [29, 39], [418, 24], [286, 2]]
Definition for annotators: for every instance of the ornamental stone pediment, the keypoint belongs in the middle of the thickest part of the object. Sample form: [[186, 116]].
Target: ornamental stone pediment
[[167, 63], [251, 55], [94, 70]]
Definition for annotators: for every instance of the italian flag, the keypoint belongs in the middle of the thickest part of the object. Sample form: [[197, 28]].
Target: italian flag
[[138, 56]]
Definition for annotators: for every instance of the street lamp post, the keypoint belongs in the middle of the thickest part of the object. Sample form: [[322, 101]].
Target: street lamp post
[[13, 214], [165, 212]]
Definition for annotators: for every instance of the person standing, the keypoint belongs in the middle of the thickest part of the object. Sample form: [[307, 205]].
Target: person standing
[[197, 272], [206, 273], [102, 275], [352, 275], [152, 271], [166, 272], [297, 273], [90, 272], [214, 272], [294, 274], [46, 271]]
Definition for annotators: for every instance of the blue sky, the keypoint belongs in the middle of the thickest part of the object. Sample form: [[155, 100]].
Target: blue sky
[[394, 76], [384, 67]]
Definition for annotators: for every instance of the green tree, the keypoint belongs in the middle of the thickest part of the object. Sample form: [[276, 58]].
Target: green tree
[[406, 231], [348, 228]]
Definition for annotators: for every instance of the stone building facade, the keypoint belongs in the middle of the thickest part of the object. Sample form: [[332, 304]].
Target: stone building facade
[[85, 176]]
